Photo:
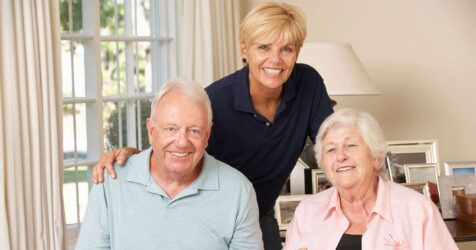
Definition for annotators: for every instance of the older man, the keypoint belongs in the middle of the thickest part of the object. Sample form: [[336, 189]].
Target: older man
[[174, 195]]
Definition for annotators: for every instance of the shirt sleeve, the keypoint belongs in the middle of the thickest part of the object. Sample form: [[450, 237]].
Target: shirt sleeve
[[94, 232], [435, 232], [247, 234], [293, 234], [321, 108]]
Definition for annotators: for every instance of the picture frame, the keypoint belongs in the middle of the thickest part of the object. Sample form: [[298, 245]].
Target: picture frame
[[297, 178], [424, 173], [319, 181], [450, 184], [421, 187], [459, 168], [285, 207], [421, 172], [409, 152]]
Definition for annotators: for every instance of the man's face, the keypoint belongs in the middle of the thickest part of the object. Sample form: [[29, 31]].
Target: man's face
[[179, 134]]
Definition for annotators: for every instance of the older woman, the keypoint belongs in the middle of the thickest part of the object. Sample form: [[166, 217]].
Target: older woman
[[264, 112], [362, 210]]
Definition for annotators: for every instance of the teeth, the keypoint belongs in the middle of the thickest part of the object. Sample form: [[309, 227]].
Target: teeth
[[272, 71], [344, 169], [179, 154]]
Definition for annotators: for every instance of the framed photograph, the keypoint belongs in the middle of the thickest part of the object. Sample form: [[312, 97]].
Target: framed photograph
[[319, 181], [459, 168], [451, 185], [424, 173], [421, 172], [297, 182], [421, 187], [284, 209], [410, 152]]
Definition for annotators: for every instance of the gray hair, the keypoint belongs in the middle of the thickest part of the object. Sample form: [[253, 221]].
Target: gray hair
[[364, 123], [188, 88]]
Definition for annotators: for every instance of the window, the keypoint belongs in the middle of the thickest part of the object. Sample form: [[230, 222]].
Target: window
[[115, 54]]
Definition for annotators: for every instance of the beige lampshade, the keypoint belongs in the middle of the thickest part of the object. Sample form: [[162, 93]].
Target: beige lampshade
[[340, 68]]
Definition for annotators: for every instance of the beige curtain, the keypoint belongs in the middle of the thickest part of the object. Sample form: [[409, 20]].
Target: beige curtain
[[208, 43], [31, 214]]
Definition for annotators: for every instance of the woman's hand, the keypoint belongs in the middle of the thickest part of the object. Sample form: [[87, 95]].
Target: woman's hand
[[107, 160]]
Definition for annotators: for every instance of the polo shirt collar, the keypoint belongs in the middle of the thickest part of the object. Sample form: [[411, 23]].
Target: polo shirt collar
[[382, 204], [242, 90], [206, 180]]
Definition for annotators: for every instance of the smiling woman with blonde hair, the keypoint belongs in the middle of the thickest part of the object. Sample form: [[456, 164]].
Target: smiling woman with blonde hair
[[362, 210]]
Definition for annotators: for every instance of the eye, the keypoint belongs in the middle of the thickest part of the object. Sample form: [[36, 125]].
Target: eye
[[330, 150], [263, 47], [169, 130], [195, 131], [288, 49]]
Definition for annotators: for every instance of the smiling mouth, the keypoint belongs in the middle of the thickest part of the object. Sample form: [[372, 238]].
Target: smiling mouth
[[343, 169], [270, 71], [179, 154]]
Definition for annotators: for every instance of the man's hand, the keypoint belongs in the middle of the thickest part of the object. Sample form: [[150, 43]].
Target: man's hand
[[107, 160]]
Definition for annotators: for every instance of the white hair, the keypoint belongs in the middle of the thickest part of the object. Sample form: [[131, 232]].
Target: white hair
[[364, 123], [188, 88]]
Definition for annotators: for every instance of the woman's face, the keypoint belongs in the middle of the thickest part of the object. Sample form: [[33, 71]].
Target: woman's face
[[347, 160], [270, 64]]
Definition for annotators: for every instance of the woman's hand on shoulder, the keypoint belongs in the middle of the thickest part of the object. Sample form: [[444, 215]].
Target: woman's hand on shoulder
[[107, 161]]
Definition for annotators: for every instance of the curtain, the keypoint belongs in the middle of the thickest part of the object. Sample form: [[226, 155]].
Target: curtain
[[208, 43], [31, 215]]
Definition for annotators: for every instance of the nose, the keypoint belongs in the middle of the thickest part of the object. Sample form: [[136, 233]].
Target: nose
[[274, 55], [181, 139], [341, 154]]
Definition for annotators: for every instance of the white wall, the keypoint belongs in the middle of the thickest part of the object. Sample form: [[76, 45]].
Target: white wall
[[422, 56]]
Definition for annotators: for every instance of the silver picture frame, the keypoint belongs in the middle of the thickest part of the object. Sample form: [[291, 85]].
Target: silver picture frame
[[410, 152], [285, 207], [460, 168]]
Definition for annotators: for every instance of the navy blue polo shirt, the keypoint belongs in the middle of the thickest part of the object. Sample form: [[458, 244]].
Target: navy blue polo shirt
[[266, 152]]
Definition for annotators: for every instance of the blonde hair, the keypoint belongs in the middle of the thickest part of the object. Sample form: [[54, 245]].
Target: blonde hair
[[188, 88], [271, 21]]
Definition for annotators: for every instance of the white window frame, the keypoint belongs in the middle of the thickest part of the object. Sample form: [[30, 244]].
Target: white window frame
[[163, 63]]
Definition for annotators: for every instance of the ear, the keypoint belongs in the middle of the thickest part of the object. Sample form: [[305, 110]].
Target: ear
[[208, 134], [377, 163], [243, 50], [150, 129]]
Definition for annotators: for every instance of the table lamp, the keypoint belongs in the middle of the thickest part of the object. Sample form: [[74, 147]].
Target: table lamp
[[340, 68]]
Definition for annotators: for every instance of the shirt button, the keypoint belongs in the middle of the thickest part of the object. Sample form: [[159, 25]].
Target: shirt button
[[268, 123]]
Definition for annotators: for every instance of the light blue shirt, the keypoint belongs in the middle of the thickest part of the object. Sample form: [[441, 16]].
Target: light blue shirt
[[217, 211]]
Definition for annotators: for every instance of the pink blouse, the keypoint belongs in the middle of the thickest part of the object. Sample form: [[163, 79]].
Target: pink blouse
[[401, 219]]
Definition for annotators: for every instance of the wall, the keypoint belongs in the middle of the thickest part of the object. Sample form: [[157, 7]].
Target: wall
[[422, 57]]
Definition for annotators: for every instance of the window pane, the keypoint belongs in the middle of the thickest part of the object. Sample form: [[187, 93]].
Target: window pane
[[142, 17], [143, 108], [113, 68], [78, 68], [74, 196], [66, 74], [76, 13], [111, 17], [71, 112], [81, 131], [78, 65], [68, 132], [143, 74], [115, 127]]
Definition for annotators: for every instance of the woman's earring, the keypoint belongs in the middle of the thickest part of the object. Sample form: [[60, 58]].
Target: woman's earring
[[243, 60]]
